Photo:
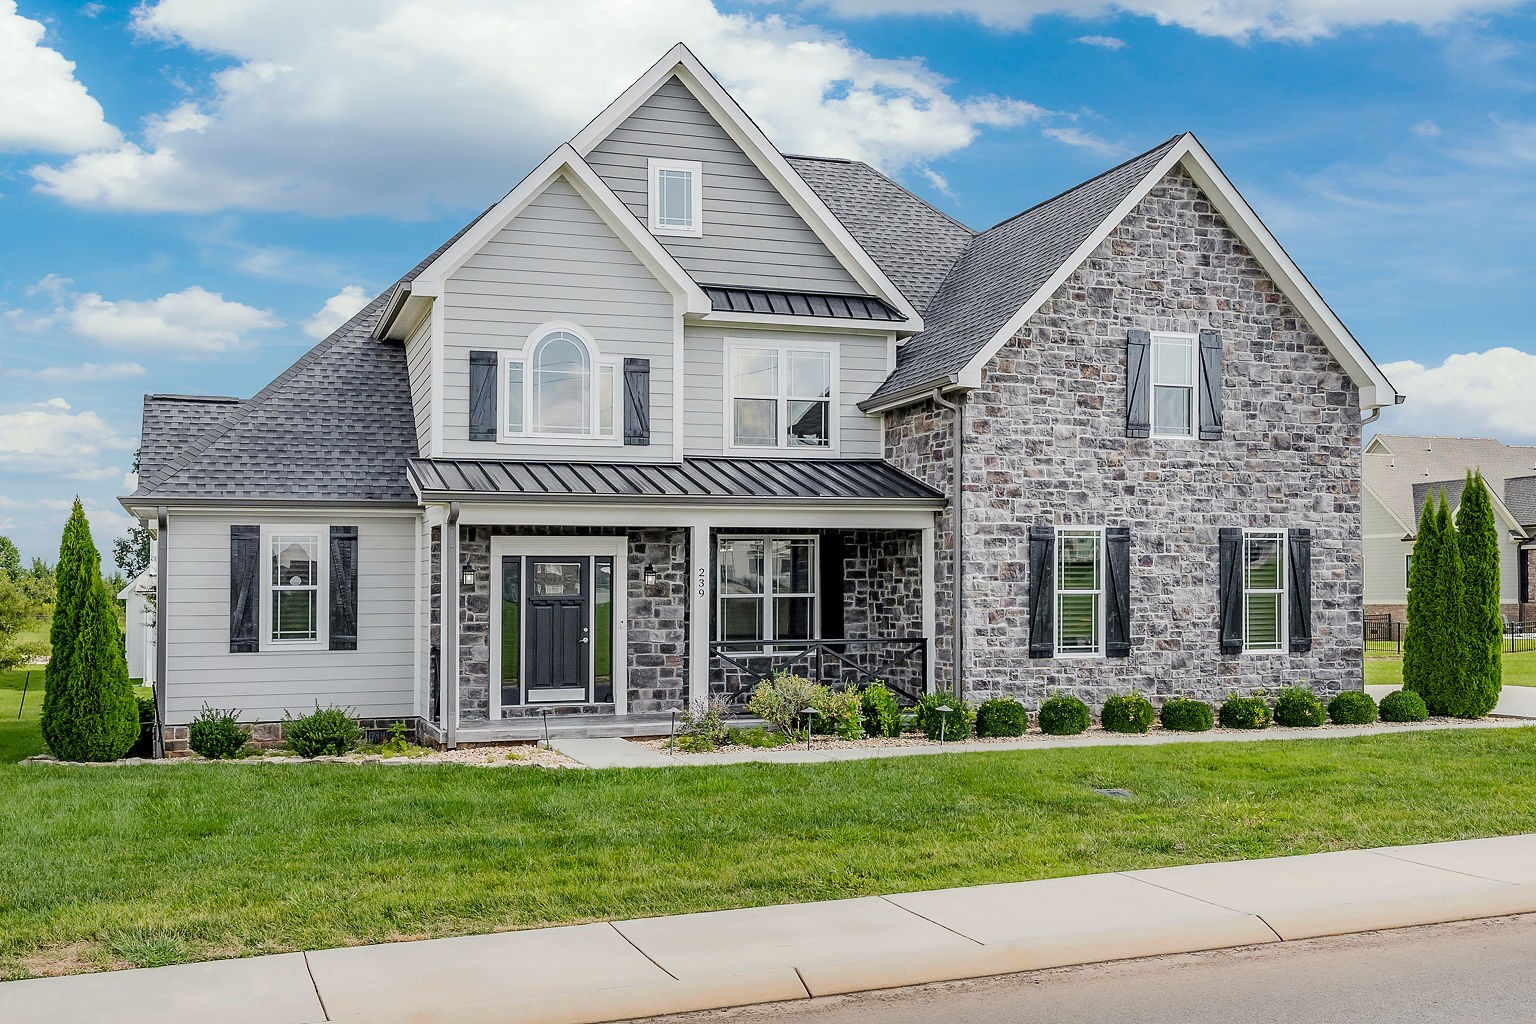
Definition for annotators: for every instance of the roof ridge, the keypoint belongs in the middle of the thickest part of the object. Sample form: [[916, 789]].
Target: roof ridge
[[1088, 181], [864, 163], [193, 398]]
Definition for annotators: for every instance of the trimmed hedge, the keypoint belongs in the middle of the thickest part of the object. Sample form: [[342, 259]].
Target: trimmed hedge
[[1403, 706], [1352, 707], [1239, 712], [1001, 716], [952, 725], [1063, 715], [1297, 707], [1127, 712], [325, 732], [1181, 714]]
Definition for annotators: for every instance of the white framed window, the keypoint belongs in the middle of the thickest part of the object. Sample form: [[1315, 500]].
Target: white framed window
[[676, 202], [558, 387], [1173, 384], [1264, 597], [1079, 591], [781, 396], [767, 588], [296, 575]]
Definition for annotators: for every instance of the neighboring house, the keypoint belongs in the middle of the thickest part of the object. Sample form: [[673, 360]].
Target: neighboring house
[[1401, 472], [138, 599], [681, 409]]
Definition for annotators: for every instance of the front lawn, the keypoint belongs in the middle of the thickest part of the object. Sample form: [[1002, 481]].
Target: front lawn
[[1519, 670], [150, 865]]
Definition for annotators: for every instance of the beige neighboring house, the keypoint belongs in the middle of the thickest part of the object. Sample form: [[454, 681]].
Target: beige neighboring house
[[1402, 471]]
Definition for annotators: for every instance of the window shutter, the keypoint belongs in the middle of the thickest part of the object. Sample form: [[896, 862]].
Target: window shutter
[[1210, 386], [244, 589], [1042, 591], [831, 597], [1230, 590], [343, 588], [637, 401], [1298, 556], [1117, 598], [1138, 384], [482, 396]]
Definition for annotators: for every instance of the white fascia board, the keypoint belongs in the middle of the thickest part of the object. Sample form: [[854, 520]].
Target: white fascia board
[[567, 163], [1368, 489], [804, 323], [696, 78], [1504, 513]]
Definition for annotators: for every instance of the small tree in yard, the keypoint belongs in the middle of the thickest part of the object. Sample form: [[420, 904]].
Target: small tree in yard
[[1445, 641], [1477, 537], [89, 711], [1421, 604]]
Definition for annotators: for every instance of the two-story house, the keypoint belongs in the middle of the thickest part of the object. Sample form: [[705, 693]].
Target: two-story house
[[681, 409]]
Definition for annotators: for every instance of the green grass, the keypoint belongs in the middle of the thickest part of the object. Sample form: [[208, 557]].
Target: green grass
[[139, 866], [20, 738], [1519, 670]]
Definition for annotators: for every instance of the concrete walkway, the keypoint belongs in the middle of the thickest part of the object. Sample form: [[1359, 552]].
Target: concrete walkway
[[1514, 701], [626, 969]]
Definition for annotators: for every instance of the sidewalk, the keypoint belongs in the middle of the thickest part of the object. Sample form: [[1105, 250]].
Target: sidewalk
[[604, 972]]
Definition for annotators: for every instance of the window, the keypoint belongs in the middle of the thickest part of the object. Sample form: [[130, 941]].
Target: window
[[1264, 590], [558, 388], [295, 611], [781, 397], [1173, 385], [677, 197], [767, 588], [1079, 591]]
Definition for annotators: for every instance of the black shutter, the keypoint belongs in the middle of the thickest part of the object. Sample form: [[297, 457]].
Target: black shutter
[[343, 588], [244, 589], [637, 401], [1210, 386], [831, 596], [1298, 557], [482, 396], [1042, 591], [1230, 590], [1117, 598], [1138, 384]]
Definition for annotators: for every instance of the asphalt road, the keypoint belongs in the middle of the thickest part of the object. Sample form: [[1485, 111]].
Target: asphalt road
[[1479, 971]]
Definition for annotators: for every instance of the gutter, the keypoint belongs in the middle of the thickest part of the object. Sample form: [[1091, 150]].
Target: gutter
[[957, 582], [910, 394]]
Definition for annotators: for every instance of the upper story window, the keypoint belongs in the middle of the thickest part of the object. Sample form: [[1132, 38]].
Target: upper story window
[[1173, 384], [1264, 590], [1079, 591], [296, 585], [557, 387], [676, 197], [781, 397]]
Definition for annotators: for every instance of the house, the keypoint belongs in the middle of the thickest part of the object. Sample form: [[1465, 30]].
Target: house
[[138, 597], [681, 410], [1402, 472]]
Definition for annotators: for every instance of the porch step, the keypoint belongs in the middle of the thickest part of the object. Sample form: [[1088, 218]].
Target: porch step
[[610, 753]]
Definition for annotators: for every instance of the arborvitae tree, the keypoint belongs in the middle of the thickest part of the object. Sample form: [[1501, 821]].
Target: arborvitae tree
[[89, 710], [1446, 645], [1482, 622], [1421, 614]]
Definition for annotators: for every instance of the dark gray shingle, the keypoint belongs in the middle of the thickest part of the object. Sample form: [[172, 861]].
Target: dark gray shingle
[[171, 422]]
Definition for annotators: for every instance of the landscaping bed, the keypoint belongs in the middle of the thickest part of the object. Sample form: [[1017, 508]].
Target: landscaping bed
[[519, 755]]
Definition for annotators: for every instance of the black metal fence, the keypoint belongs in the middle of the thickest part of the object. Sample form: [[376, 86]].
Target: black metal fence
[[1384, 636], [900, 663]]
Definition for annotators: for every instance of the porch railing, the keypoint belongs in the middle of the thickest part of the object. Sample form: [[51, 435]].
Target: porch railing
[[900, 663]]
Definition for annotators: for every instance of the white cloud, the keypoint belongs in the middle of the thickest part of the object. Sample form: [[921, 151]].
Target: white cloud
[[86, 372], [1102, 42], [406, 106], [1426, 129], [1471, 394], [50, 437], [1077, 138], [46, 108], [338, 309], [193, 321]]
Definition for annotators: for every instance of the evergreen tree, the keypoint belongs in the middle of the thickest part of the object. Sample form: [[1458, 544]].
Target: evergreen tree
[[89, 709], [1445, 642], [1421, 615], [1482, 622], [10, 560]]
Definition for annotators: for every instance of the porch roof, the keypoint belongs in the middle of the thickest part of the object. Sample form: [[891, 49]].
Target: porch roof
[[705, 481]]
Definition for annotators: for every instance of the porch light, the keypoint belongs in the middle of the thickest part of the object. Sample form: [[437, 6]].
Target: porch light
[[649, 576], [467, 575]]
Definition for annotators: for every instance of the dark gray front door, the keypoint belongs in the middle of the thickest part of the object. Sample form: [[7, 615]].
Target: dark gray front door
[[558, 629]]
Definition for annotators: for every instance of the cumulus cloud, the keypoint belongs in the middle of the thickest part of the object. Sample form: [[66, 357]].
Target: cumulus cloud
[[46, 108], [50, 437], [1102, 42], [404, 106], [338, 309], [193, 321], [84, 373], [1475, 394]]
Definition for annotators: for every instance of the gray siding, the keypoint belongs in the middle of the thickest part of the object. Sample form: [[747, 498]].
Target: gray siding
[[557, 261], [863, 362], [1386, 579], [375, 680], [752, 236], [418, 361]]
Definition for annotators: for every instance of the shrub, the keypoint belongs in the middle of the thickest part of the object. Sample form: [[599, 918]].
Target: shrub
[[322, 732], [882, 713], [1063, 715], [707, 724], [1184, 715], [1482, 627], [758, 737], [144, 746], [215, 734], [954, 724], [1297, 707], [694, 743], [838, 713], [1244, 712], [1001, 716], [1403, 706], [779, 701], [1352, 707], [1126, 712]]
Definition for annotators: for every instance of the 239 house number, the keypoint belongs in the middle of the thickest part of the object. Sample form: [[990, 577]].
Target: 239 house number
[[702, 590]]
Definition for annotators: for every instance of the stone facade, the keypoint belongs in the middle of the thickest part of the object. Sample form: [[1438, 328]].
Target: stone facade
[[268, 735], [1046, 443]]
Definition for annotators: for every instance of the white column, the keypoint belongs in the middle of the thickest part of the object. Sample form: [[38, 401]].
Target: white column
[[930, 605], [698, 615]]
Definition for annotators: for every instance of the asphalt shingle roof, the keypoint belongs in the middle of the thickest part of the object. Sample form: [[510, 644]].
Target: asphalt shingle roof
[[171, 422], [1412, 467]]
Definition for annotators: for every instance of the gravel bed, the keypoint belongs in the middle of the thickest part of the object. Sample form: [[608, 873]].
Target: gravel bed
[[500, 756]]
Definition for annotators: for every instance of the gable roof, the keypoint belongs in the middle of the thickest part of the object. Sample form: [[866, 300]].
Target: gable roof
[[1402, 469], [171, 422]]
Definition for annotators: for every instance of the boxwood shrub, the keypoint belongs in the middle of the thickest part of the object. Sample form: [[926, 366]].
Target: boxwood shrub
[[215, 734], [1352, 707], [324, 732], [1001, 716], [952, 725], [1127, 712], [1181, 714], [1239, 712], [880, 710], [1403, 706], [1063, 715], [1297, 707]]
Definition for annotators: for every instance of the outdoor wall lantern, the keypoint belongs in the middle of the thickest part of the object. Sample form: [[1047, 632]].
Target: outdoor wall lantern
[[467, 575], [649, 576]]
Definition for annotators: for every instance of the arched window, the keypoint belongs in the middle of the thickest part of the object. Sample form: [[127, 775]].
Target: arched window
[[559, 388]]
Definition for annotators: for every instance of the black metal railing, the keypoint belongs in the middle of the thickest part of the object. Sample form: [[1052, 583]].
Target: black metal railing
[[900, 663]]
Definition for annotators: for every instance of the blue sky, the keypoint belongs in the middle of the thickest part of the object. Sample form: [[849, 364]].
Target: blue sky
[[191, 192]]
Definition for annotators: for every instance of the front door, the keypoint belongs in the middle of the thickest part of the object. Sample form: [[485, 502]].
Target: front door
[[558, 633]]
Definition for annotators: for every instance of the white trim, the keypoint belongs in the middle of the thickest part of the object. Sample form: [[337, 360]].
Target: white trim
[[321, 533], [698, 615], [810, 515], [654, 166], [1407, 530], [736, 344], [1284, 611], [596, 363], [1193, 387], [930, 606], [1100, 616]]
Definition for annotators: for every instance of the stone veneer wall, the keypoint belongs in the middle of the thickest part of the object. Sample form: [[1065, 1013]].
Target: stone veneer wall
[[1046, 443]]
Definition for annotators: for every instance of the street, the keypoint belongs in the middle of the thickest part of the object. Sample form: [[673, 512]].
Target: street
[[1473, 971]]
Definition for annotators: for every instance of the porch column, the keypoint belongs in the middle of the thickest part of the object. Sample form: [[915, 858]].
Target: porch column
[[930, 609], [448, 667], [698, 615]]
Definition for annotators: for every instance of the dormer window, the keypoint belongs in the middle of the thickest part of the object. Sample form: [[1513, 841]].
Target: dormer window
[[677, 197]]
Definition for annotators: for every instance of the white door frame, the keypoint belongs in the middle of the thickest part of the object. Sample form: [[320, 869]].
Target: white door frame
[[580, 547]]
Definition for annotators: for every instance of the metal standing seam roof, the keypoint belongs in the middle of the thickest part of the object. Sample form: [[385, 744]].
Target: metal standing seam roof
[[705, 479], [840, 307]]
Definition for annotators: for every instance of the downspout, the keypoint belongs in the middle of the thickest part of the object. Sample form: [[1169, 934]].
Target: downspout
[[957, 503], [449, 567], [162, 557], [1372, 418]]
